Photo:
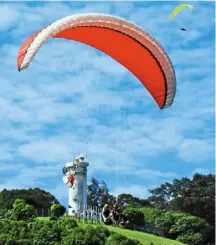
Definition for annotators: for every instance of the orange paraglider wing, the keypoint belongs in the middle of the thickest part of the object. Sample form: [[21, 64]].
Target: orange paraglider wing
[[124, 41]]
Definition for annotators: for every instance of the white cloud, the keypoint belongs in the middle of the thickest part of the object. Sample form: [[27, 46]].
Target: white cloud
[[134, 190], [154, 174], [9, 16], [24, 176], [6, 151], [60, 192], [196, 151], [45, 151], [5, 167], [201, 171]]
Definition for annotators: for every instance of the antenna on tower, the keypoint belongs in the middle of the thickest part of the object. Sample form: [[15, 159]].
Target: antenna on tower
[[86, 150]]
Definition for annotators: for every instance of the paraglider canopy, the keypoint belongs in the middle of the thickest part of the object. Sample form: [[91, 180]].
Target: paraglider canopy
[[124, 41], [179, 8]]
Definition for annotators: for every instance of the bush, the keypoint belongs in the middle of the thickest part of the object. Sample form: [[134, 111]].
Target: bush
[[3, 238], [187, 223], [93, 237], [66, 225], [11, 242], [45, 233], [19, 230], [14, 230], [86, 236], [134, 215], [191, 238], [53, 218], [166, 220], [117, 239], [5, 226], [75, 237], [21, 211], [179, 225], [151, 214], [103, 230], [24, 242], [18, 242], [57, 210]]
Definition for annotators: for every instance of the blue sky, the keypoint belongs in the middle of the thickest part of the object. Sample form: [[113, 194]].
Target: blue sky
[[74, 99]]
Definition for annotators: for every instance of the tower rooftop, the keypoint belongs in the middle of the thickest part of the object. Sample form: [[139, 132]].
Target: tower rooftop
[[77, 160]]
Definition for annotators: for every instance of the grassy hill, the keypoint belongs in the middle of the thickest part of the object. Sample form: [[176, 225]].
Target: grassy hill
[[144, 238]]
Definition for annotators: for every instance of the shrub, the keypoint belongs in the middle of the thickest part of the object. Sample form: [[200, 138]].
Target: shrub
[[184, 227], [151, 214], [57, 210], [134, 215], [67, 223], [103, 230], [93, 237], [45, 233], [21, 211], [117, 239], [3, 238], [187, 223], [75, 237], [191, 238], [86, 236], [53, 218]]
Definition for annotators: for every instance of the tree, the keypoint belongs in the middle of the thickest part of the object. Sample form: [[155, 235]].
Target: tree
[[36, 197], [21, 211], [196, 196], [111, 200], [103, 193], [98, 194], [93, 192], [127, 199]]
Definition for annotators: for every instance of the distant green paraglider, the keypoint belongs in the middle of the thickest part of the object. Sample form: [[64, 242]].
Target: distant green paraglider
[[179, 8]]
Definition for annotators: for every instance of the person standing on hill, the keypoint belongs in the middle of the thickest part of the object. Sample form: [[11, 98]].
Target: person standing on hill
[[115, 214], [106, 215]]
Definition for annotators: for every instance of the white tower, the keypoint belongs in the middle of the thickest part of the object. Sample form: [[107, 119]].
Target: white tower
[[76, 180]]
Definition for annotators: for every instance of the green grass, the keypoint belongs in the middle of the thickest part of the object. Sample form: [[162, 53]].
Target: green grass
[[144, 238]]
